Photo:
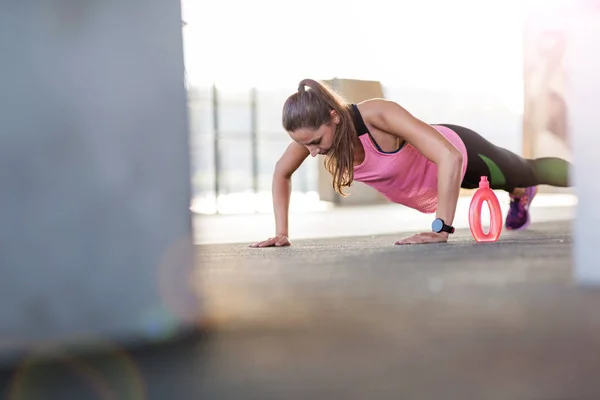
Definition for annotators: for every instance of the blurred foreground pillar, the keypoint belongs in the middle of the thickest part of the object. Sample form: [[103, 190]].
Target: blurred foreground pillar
[[583, 66], [95, 228]]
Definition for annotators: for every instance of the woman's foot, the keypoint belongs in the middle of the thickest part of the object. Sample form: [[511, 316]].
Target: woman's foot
[[518, 213]]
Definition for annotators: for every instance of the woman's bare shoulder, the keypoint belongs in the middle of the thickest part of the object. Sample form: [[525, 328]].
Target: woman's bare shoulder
[[374, 109], [374, 106]]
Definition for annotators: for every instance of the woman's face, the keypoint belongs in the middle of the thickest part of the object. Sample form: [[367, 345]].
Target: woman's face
[[318, 141]]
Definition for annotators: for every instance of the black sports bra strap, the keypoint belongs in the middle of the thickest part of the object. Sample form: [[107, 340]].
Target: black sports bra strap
[[359, 123]]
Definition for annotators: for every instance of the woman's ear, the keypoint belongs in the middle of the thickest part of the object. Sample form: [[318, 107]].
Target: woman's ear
[[335, 117]]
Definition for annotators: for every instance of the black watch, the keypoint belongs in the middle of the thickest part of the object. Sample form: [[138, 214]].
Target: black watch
[[438, 225]]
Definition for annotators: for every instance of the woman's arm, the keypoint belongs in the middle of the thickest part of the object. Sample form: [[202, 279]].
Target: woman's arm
[[392, 118], [288, 163]]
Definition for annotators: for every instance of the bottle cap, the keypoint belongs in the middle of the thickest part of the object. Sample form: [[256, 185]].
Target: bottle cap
[[483, 183]]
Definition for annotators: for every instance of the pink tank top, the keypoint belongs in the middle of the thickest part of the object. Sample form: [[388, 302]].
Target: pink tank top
[[405, 177]]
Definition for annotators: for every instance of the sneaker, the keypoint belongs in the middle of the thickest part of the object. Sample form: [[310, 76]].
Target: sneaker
[[518, 213]]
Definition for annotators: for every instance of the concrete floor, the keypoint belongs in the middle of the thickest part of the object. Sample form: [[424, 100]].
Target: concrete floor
[[359, 318]]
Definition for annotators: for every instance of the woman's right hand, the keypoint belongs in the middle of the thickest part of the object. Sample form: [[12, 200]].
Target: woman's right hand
[[277, 241], [288, 163]]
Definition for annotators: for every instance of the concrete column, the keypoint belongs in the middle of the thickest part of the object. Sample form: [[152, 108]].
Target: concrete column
[[95, 228], [583, 66]]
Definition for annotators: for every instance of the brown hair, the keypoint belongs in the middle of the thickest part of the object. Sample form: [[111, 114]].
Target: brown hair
[[309, 109]]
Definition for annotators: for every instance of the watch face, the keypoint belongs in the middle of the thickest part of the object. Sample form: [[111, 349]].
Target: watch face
[[437, 225]]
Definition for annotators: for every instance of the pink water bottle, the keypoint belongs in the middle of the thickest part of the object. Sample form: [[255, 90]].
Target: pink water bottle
[[485, 194]]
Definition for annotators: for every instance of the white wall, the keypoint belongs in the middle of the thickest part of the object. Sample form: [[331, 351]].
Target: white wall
[[458, 61]]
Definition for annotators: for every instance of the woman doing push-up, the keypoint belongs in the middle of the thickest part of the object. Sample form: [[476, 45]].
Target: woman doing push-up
[[410, 162]]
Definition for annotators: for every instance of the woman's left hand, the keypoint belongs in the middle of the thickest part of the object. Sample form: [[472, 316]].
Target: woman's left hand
[[424, 237]]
